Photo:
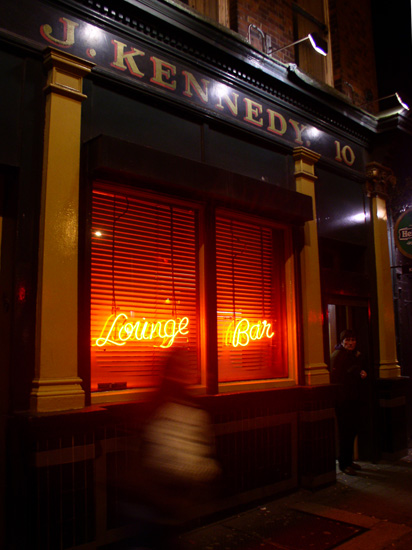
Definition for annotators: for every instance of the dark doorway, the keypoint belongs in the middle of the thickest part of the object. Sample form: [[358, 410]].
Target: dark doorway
[[346, 312]]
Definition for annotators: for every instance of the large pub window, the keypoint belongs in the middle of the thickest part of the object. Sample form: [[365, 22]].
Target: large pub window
[[146, 285], [144, 296]]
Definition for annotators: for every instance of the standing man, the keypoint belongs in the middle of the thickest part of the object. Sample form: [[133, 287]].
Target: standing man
[[348, 373]]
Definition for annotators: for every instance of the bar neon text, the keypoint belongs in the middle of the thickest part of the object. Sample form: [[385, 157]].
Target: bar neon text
[[240, 333]]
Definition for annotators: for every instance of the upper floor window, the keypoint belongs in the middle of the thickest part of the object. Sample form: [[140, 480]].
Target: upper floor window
[[218, 10], [312, 16]]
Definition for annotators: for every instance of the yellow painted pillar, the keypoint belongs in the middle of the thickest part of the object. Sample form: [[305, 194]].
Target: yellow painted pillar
[[316, 371], [378, 180], [56, 385]]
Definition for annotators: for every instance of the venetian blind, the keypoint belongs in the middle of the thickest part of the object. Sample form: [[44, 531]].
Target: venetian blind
[[143, 288], [250, 292]]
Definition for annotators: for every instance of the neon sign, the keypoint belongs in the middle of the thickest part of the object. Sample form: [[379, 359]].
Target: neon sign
[[240, 333], [118, 330]]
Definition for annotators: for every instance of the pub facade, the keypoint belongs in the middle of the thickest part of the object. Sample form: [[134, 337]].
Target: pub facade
[[165, 182]]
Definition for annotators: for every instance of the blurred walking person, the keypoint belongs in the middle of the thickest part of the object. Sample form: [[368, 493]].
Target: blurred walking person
[[175, 460]]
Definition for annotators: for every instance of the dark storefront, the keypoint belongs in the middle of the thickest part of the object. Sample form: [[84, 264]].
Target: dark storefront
[[163, 183]]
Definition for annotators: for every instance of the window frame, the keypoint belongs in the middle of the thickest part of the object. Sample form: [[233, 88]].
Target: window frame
[[133, 394], [289, 304]]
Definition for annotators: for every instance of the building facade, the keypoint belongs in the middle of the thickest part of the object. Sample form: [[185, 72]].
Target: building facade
[[168, 177]]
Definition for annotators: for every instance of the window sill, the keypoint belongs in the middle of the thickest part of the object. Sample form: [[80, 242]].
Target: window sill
[[133, 395], [254, 385], [145, 394]]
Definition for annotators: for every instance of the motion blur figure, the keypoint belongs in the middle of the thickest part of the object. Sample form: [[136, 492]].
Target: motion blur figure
[[175, 461]]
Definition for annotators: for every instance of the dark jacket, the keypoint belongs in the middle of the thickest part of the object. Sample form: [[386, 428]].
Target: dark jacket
[[345, 367]]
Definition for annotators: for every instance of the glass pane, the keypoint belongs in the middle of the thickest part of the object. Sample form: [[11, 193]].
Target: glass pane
[[143, 288], [250, 301]]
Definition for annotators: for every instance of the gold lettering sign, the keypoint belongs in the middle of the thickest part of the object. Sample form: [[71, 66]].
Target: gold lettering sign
[[162, 73]]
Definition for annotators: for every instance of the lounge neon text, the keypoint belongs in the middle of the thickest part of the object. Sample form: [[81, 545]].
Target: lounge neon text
[[118, 330], [240, 333]]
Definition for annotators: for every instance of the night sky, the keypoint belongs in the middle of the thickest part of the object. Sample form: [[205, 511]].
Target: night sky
[[393, 47]]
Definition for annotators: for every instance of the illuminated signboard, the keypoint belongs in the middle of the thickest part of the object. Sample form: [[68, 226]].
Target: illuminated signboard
[[403, 233]]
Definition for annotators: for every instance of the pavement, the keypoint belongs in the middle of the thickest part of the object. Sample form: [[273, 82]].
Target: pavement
[[369, 511]]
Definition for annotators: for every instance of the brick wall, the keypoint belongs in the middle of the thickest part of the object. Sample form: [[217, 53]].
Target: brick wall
[[354, 71], [275, 20], [351, 33], [352, 49]]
